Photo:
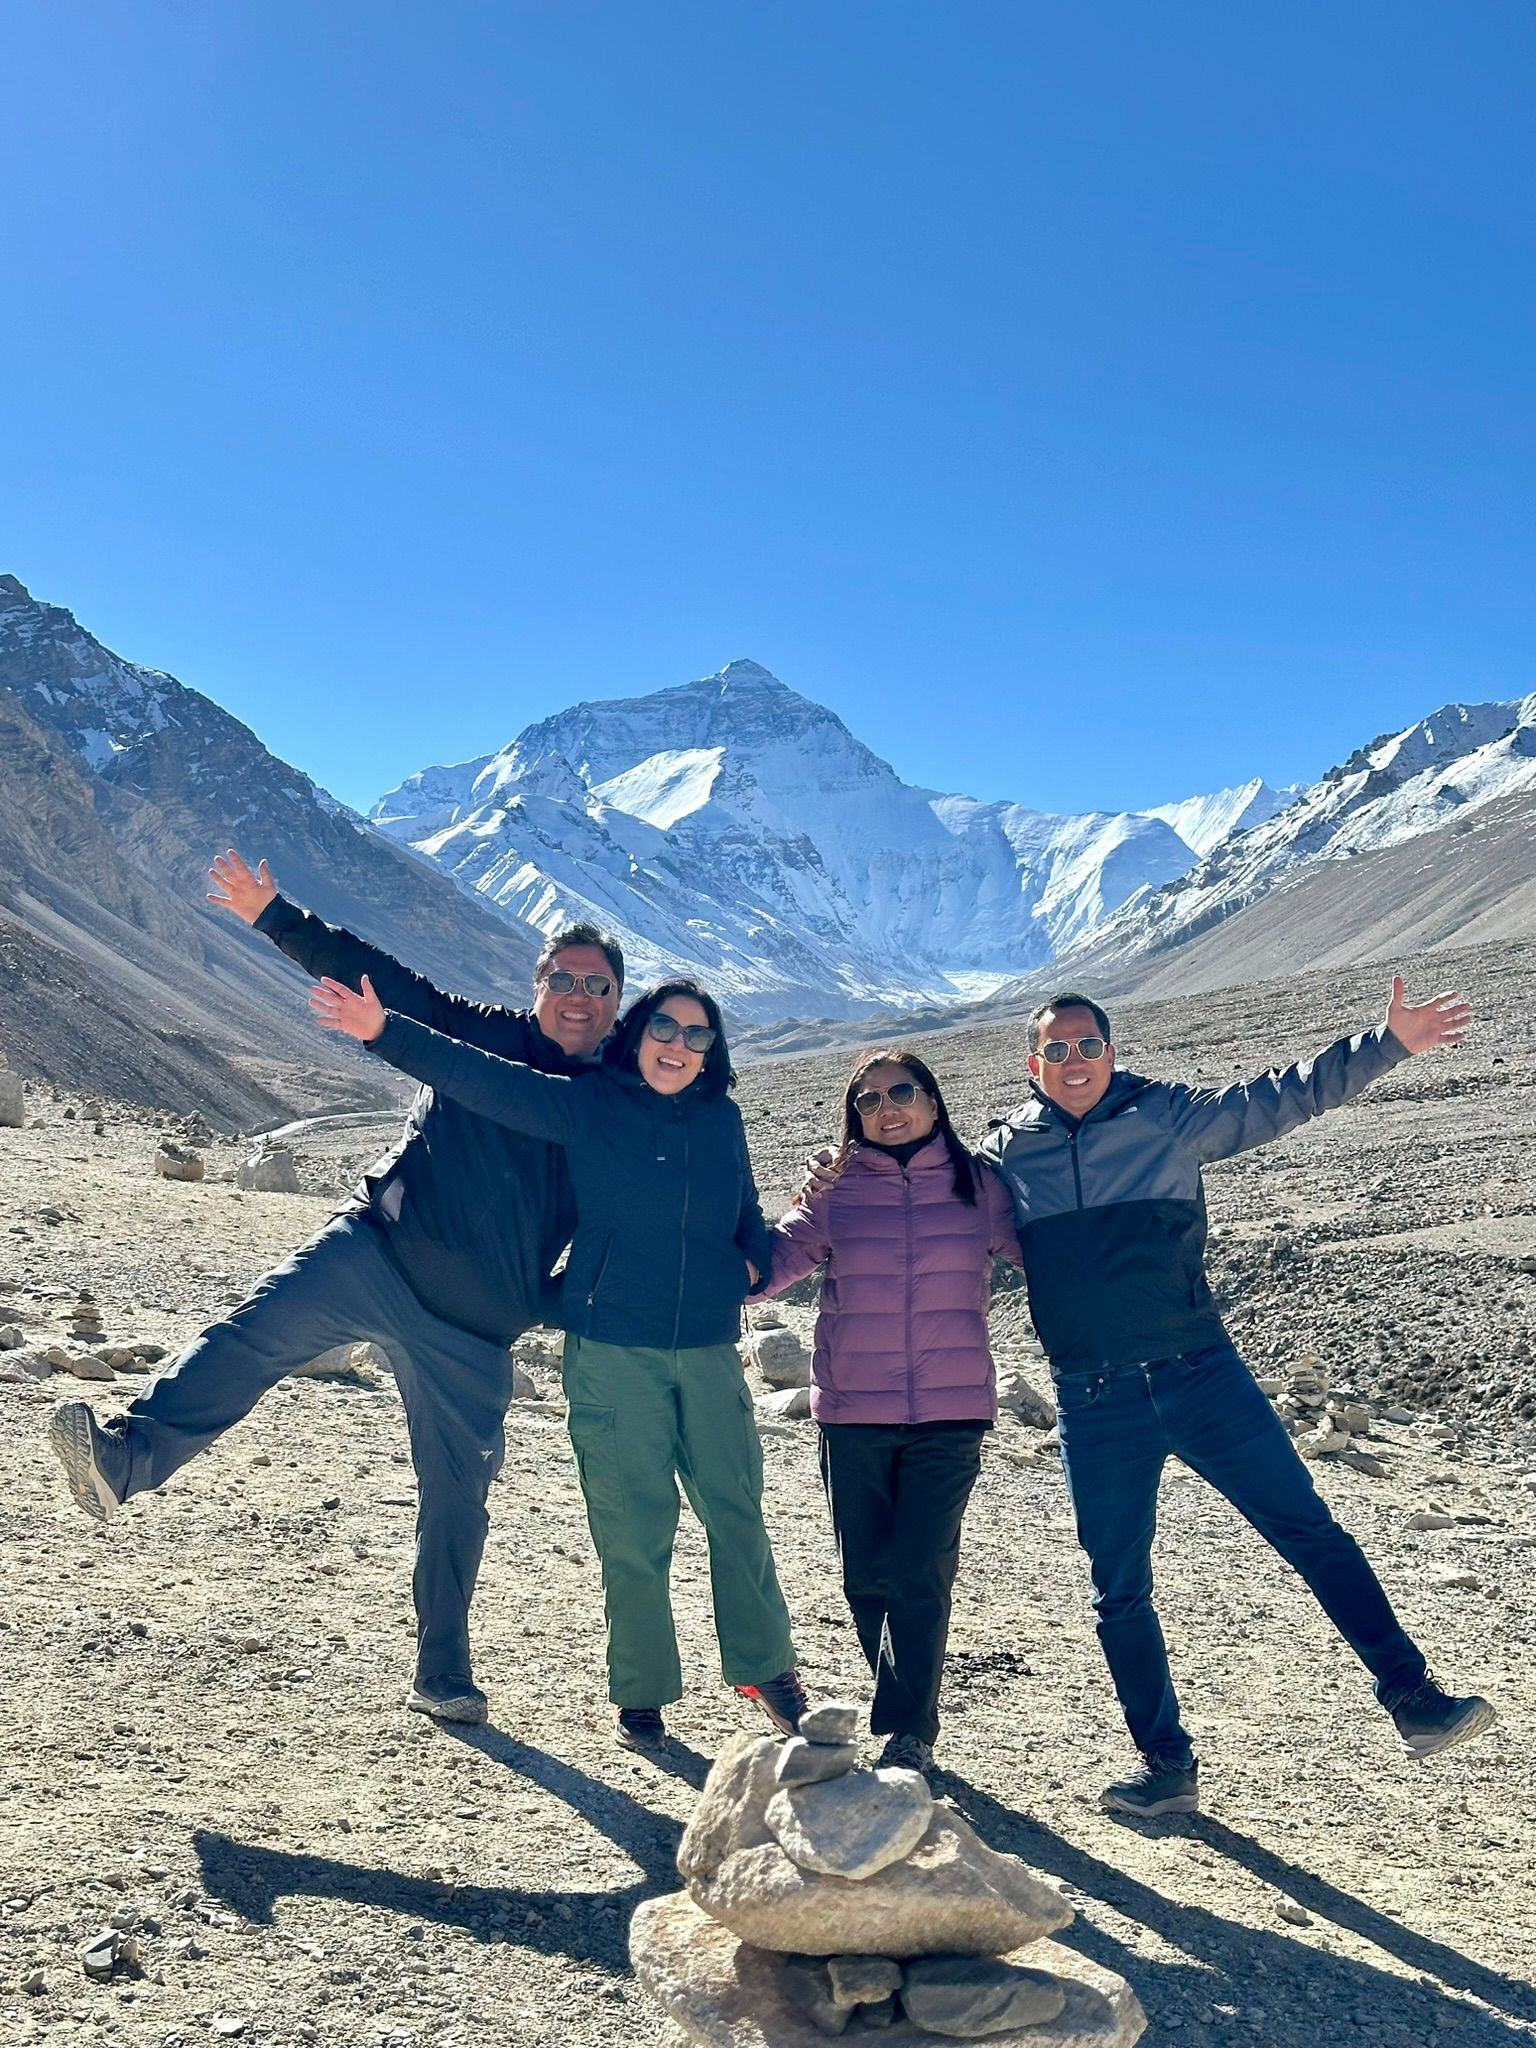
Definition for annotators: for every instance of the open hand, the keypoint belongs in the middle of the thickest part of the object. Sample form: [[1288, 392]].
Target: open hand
[[339, 1009], [1424, 1027], [236, 888]]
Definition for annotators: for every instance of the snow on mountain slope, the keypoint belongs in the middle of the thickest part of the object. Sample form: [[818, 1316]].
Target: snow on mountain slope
[[734, 826], [1400, 787], [1204, 821]]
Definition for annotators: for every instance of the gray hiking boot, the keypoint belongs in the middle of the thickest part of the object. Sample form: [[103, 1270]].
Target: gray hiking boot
[[455, 1698], [906, 1753], [1162, 1785], [1432, 1719], [95, 1461]]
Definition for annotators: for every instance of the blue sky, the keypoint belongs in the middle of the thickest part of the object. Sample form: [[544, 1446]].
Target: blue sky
[[1091, 404]]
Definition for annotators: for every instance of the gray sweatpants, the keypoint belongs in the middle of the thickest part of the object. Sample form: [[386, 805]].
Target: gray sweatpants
[[340, 1288]]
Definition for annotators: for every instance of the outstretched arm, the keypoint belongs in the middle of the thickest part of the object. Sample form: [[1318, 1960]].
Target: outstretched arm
[[328, 949], [1224, 1121], [505, 1091]]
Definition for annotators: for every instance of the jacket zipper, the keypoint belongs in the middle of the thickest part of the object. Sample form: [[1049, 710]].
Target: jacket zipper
[[906, 1189], [1077, 1182], [682, 1257], [597, 1279]]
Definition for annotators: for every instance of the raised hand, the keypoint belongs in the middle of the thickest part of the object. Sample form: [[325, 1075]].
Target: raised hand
[[822, 1171], [336, 1007], [236, 888], [1424, 1027]]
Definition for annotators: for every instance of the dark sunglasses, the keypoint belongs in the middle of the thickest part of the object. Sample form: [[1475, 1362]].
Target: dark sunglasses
[[560, 983], [898, 1096], [1056, 1050], [664, 1029]]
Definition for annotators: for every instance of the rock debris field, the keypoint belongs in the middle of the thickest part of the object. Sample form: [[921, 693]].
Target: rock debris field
[[213, 1797]]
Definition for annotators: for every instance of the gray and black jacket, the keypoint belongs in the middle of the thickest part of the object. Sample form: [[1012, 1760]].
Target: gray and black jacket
[[473, 1214], [1111, 1209], [667, 1212]]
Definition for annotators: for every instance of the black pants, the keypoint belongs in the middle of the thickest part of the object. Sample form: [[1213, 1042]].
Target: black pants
[[897, 1494]]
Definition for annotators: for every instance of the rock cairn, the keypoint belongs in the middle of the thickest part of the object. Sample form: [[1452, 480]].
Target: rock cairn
[[270, 1170], [1325, 1420], [178, 1162], [825, 1898]]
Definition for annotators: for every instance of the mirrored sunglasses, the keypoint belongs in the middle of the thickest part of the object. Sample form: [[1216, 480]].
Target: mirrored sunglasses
[[560, 983], [664, 1029], [1055, 1050]]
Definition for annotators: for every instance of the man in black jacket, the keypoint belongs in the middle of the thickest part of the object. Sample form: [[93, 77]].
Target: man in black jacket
[[1105, 1173], [441, 1257]]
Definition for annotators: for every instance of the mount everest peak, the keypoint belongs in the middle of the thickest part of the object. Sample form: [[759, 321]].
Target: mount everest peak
[[735, 827]]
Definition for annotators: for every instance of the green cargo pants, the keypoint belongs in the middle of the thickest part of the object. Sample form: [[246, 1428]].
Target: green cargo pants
[[640, 1421]]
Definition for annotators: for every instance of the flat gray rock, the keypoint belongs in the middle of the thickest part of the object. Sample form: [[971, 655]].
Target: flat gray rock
[[726, 1995], [975, 1998], [831, 1721], [812, 1763], [852, 1825], [863, 1980], [951, 1896]]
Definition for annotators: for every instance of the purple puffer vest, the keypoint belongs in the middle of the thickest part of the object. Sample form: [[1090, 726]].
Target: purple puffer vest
[[902, 1333]]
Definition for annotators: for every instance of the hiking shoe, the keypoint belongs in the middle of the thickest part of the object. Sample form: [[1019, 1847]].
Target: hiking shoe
[[639, 1728], [782, 1699], [1432, 1719], [1160, 1786], [448, 1699], [906, 1753], [95, 1461]]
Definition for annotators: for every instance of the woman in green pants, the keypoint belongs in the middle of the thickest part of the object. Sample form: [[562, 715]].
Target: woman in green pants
[[669, 1241]]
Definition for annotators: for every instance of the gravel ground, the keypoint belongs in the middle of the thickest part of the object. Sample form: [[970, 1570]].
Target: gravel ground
[[206, 1732]]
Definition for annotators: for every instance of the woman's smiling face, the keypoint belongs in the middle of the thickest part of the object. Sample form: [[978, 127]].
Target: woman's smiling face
[[892, 1123], [671, 1068]]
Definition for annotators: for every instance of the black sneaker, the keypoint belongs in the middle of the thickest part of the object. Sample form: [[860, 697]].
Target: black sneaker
[[455, 1698], [95, 1461], [906, 1753], [1162, 1785], [1431, 1719], [639, 1728], [782, 1699]]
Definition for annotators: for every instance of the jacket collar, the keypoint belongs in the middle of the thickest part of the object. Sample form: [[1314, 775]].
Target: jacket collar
[[933, 1152]]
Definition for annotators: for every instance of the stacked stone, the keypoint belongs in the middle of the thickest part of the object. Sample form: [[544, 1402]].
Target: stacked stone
[[1323, 1422], [825, 1899]]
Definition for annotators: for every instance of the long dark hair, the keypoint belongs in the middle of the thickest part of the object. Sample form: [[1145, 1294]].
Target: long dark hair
[[922, 1073], [623, 1049]]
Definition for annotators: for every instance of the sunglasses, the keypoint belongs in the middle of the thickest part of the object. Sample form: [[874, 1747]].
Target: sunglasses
[[900, 1096], [664, 1029], [1056, 1050], [560, 983]]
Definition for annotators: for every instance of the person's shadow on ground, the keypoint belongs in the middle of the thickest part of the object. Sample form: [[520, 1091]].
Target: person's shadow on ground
[[589, 1926], [1250, 1984]]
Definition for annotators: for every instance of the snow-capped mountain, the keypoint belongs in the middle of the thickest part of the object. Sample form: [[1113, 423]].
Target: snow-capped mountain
[[735, 827], [1403, 786]]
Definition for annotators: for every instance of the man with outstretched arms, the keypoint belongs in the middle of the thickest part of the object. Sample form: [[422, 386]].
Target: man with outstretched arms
[[441, 1257], [1105, 1172]]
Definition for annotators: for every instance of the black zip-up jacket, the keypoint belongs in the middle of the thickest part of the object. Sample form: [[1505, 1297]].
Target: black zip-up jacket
[[1111, 1209], [473, 1214], [667, 1212]]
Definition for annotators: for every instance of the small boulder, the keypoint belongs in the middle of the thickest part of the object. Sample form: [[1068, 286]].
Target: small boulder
[[179, 1162], [830, 1721], [272, 1170], [813, 1763], [863, 1980], [780, 1357], [854, 1824], [732, 1807], [787, 1404], [12, 1106], [974, 1996], [1016, 1396]]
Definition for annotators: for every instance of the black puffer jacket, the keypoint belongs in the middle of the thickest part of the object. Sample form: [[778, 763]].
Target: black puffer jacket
[[1110, 1207], [473, 1214], [667, 1213]]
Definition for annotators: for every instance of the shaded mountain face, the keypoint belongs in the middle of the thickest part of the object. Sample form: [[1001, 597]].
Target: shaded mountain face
[[735, 828], [117, 785]]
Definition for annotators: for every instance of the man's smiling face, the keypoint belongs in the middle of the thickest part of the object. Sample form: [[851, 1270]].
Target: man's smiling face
[[1075, 1085], [576, 1021]]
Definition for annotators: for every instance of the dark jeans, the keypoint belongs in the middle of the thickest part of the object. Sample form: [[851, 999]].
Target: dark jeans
[[342, 1287], [897, 1494], [1118, 1426]]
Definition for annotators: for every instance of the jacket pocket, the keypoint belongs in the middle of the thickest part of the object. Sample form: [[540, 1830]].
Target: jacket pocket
[[602, 1267], [595, 1442]]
